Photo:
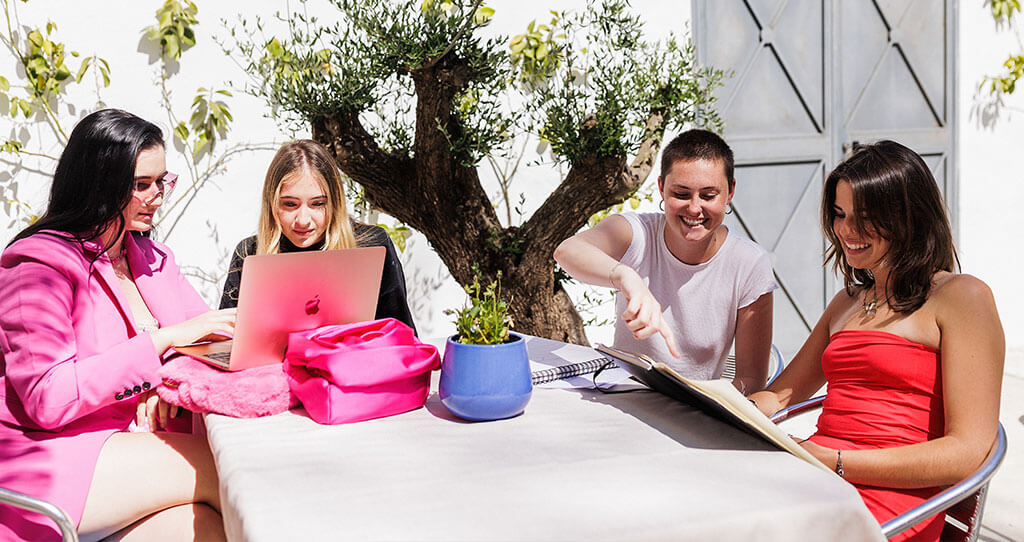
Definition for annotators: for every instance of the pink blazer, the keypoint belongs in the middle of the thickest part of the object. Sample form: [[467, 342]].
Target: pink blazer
[[72, 363]]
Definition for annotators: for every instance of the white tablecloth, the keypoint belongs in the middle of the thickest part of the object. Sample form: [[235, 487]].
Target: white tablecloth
[[577, 465]]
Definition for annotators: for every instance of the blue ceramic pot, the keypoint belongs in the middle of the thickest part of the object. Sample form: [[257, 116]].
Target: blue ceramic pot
[[482, 382]]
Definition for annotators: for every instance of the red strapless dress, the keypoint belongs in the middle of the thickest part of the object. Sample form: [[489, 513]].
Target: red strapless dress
[[883, 391]]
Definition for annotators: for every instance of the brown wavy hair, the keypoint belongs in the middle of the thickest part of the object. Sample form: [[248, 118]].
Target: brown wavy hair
[[291, 159], [894, 193]]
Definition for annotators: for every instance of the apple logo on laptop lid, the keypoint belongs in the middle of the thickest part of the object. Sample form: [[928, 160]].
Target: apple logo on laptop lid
[[313, 305]]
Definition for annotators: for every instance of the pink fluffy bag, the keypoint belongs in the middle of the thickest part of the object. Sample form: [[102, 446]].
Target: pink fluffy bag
[[355, 372], [195, 386]]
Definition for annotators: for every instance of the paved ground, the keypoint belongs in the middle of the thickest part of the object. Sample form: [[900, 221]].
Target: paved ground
[[1004, 512]]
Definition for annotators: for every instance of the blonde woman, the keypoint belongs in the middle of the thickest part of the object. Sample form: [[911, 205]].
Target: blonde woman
[[304, 209]]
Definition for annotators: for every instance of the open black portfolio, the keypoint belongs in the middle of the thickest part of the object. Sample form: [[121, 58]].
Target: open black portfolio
[[718, 398]]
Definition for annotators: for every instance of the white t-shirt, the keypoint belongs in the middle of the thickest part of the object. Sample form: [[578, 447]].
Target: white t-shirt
[[698, 302]]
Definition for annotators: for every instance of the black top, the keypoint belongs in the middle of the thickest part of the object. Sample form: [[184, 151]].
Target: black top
[[391, 301]]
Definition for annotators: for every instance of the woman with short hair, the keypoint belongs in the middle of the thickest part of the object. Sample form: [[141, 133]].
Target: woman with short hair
[[688, 287]]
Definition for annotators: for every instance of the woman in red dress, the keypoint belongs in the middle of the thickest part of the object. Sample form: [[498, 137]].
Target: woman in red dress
[[912, 351]]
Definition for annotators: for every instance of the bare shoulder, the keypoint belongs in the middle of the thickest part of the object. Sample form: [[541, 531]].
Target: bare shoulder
[[956, 290], [959, 299], [841, 302], [838, 309]]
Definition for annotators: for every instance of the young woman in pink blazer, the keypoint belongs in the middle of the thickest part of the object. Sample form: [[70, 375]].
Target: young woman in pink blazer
[[89, 305]]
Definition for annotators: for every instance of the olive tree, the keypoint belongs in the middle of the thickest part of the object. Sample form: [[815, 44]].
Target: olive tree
[[410, 97]]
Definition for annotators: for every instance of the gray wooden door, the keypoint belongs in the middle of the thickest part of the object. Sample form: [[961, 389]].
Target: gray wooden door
[[810, 77]]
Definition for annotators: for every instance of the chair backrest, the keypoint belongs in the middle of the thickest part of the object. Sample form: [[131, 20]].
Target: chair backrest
[[963, 503], [969, 493], [963, 519], [776, 364], [50, 510]]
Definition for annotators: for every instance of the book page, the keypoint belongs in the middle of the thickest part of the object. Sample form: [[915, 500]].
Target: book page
[[725, 394]]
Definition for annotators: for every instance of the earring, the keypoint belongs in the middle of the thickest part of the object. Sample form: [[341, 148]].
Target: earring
[[728, 209], [661, 205]]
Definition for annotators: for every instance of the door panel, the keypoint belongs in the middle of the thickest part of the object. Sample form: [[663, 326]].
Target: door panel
[[810, 77]]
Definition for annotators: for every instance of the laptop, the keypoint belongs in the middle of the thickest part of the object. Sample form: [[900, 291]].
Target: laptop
[[295, 291]]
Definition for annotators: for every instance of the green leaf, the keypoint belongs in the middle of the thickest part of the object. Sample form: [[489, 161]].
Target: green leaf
[[37, 65], [35, 38], [11, 146], [483, 15], [181, 132], [172, 48], [201, 143], [274, 48], [82, 69], [5, 85]]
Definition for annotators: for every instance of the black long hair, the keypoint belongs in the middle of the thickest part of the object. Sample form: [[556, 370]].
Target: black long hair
[[95, 176], [895, 193]]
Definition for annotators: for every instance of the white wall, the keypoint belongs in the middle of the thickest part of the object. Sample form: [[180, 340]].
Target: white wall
[[227, 212], [991, 171], [991, 187]]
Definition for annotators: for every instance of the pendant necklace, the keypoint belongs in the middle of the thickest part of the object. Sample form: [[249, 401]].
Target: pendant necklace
[[871, 307]]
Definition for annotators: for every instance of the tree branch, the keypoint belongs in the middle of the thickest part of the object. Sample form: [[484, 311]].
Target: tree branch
[[642, 165], [451, 45], [384, 176], [592, 185]]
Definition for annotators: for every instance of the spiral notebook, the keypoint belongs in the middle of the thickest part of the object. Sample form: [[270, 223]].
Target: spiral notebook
[[570, 370], [556, 364]]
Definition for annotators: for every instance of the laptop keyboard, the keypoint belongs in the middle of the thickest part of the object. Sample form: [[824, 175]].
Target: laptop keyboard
[[219, 357]]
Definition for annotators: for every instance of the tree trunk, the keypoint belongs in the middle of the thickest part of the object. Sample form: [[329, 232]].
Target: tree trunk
[[437, 195]]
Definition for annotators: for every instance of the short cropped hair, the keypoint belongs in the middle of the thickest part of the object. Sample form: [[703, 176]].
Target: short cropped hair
[[697, 144]]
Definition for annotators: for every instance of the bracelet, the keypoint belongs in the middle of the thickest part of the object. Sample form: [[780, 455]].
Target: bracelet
[[839, 463], [612, 270]]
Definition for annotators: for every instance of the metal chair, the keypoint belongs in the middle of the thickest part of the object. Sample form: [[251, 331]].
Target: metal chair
[[776, 364], [963, 502], [50, 510]]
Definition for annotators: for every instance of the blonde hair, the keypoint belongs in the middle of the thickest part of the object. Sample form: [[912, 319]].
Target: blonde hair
[[291, 159]]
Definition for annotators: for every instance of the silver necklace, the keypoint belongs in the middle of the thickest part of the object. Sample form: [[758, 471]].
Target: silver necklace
[[871, 307]]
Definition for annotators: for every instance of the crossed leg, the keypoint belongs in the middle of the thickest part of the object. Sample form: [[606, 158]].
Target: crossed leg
[[163, 486]]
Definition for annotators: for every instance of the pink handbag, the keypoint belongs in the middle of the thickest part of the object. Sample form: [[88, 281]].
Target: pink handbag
[[355, 372]]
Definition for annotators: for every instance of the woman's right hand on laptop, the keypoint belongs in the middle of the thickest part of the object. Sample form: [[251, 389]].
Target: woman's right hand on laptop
[[219, 323]]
